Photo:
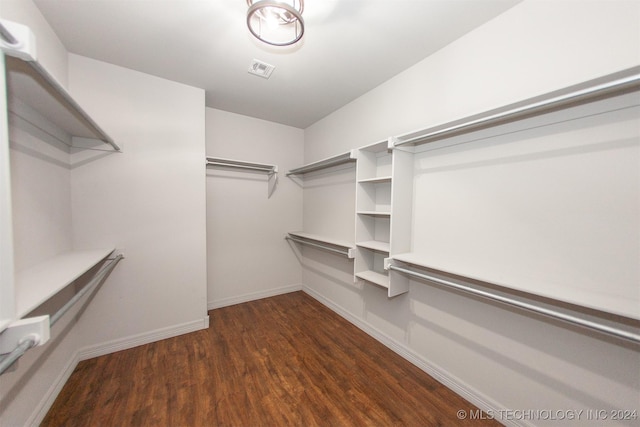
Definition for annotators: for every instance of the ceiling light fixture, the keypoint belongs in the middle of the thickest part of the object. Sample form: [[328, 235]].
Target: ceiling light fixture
[[276, 22]]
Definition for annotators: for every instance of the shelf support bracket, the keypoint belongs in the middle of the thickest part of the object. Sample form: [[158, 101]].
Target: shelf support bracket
[[36, 328], [17, 40]]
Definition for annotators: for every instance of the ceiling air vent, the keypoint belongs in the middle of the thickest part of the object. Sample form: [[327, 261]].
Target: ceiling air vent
[[261, 69]]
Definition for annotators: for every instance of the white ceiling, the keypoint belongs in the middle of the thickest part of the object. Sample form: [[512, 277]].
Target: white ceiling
[[349, 46]]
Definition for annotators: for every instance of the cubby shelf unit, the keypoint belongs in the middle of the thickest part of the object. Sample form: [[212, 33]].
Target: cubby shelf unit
[[373, 204], [340, 247]]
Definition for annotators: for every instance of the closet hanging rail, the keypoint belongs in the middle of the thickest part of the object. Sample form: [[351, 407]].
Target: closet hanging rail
[[325, 163], [612, 85], [28, 342], [575, 320], [270, 170], [237, 164], [334, 246]]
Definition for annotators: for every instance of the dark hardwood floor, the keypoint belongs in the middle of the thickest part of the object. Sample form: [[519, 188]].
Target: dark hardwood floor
[[280, 361]]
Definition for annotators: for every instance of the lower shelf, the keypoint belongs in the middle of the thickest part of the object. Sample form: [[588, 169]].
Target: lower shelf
[[329, 244], [37, 284], [374, 277]]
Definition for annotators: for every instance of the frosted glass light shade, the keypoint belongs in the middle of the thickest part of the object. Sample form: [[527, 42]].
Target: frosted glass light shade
[[278, 23]]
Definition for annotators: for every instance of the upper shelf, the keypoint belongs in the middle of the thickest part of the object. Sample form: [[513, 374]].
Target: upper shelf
[[238, 164], [350, 156], [33, 91], [36, 285], [605, 87]]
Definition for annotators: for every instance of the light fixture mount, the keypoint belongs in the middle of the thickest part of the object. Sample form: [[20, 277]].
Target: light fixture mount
[[276, 22]]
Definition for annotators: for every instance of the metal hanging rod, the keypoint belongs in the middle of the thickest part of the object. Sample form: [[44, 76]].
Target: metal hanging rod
[[325, 163], [29, 342], [22, 348], [270, 170], [575, 320], [321, 244], [228, 163], [605, 87], [104, 272]]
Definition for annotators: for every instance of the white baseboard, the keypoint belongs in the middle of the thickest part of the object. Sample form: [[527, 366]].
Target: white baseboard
[[141, 339], [441, 375], [50, 396], [105, 348], [224, 302]]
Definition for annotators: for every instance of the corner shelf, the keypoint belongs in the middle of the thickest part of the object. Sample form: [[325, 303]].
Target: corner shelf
[[347, 157], [37, 284], [35, 96]]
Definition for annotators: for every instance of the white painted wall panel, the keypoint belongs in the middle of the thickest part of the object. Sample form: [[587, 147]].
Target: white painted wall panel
[[495, 356], [148, 200], [41, 196], [554, 211], [247, 255]]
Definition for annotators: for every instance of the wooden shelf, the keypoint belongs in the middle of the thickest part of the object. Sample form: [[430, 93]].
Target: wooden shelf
[[374, 277], [37, 284], [375, 245]]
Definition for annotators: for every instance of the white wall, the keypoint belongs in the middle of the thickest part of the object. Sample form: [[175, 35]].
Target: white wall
[[497, 357], [148, 200], [248, 257]]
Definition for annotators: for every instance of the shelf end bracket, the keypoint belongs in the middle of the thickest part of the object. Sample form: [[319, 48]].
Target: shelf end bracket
[[17, 40]]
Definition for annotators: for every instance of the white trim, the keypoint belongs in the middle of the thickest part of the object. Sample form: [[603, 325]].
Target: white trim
[[225, 302], [40, 411], [141, 339], [85, 353], [450, 381]]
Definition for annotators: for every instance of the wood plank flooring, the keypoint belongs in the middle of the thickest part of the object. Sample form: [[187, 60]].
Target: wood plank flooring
[[280, 361]]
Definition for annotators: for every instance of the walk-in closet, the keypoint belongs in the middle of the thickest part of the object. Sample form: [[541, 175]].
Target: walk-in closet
[[329, 213]]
